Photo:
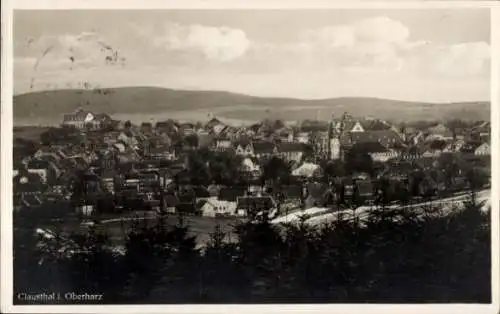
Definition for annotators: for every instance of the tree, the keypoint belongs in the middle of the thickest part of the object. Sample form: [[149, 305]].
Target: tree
[[221, 278], [332, 169], [225, 168], [277, 171], [260, 248], [437, 145], [58, 135], [278, 124], [95, 267], [358, 161], [198, 169], [191, 140]]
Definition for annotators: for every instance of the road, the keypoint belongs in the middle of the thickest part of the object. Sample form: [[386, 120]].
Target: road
[[362, 212]]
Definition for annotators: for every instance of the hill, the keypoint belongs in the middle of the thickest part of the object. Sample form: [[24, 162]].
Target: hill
[[145, 103]]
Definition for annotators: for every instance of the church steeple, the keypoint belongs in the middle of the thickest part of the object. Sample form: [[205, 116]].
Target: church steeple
[[331, 127]]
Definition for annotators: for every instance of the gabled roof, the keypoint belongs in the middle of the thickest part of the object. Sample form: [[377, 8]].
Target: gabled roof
[[38, 164], [79, 115], [255, 202], [470, 146], [316, 190], [262, 147], [31, 200], [291, 147], [365, 187], [292, 191], [231, 193], [437, 145], [102, 117], [384, 137], [369, 147], [243, 142], [213, 122], [375, 125]]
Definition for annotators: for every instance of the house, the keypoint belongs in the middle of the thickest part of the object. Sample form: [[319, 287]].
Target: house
[[146, 128], [46, 170], [129, 138], [315, 194], [168, 127], [78, 119], [377, 152], [231, 193], [291, 193], [364, 191], [291, 151], [386, 138], [222, 144], [210, 125], [441, 132], [108, 180], [187, 128], [263, 149], [187, 204], [160, 153], [28, 189], [371, 124], [303, 137], [250, 206], [204, 138], [437, 145], [483, 150], [251, 167], [100, 121], [319, 140], [285, 134], [47, 151], [82, 119], [470, 147], [244, 148], [454, 146], [85, 209], [216, 208], [307, 170], [170, 202], [482, 130]]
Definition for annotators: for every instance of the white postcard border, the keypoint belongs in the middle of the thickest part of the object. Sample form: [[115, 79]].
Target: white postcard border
[[6, 153]]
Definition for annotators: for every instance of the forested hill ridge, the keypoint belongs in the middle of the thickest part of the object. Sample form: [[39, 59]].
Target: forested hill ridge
[[162, 102]]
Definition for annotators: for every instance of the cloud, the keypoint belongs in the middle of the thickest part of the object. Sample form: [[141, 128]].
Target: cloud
[[381, 29], [461, 60], [384, 44], [214, 43], [465, 59]]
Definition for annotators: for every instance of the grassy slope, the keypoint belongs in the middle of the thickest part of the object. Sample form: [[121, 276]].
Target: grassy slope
[[51, 105]]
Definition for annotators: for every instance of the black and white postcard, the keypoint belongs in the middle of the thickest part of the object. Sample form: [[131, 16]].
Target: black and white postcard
[[196, 157]]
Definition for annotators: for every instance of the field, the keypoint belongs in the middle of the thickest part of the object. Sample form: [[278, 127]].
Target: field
[[31, 133], [118, 227], [146, 103]]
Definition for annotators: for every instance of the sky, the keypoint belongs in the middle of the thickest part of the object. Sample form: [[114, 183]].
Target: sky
[[432, 55]]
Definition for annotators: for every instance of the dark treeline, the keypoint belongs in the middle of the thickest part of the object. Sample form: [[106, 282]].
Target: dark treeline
[[396, 256]]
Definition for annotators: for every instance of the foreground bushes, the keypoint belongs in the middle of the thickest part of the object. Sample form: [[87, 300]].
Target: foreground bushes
[[390, 259]]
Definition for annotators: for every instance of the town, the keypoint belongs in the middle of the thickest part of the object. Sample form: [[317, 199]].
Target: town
[[94, 165], [111, 202]]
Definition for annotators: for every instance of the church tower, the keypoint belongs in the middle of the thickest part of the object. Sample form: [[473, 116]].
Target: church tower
[[330, 137], [333, 140]]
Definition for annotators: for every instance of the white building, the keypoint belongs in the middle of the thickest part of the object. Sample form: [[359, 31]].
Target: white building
[[214, 207], [483, 150]]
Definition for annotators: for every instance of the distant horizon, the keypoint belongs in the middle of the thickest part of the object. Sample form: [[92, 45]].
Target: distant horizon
[[248, 95]]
